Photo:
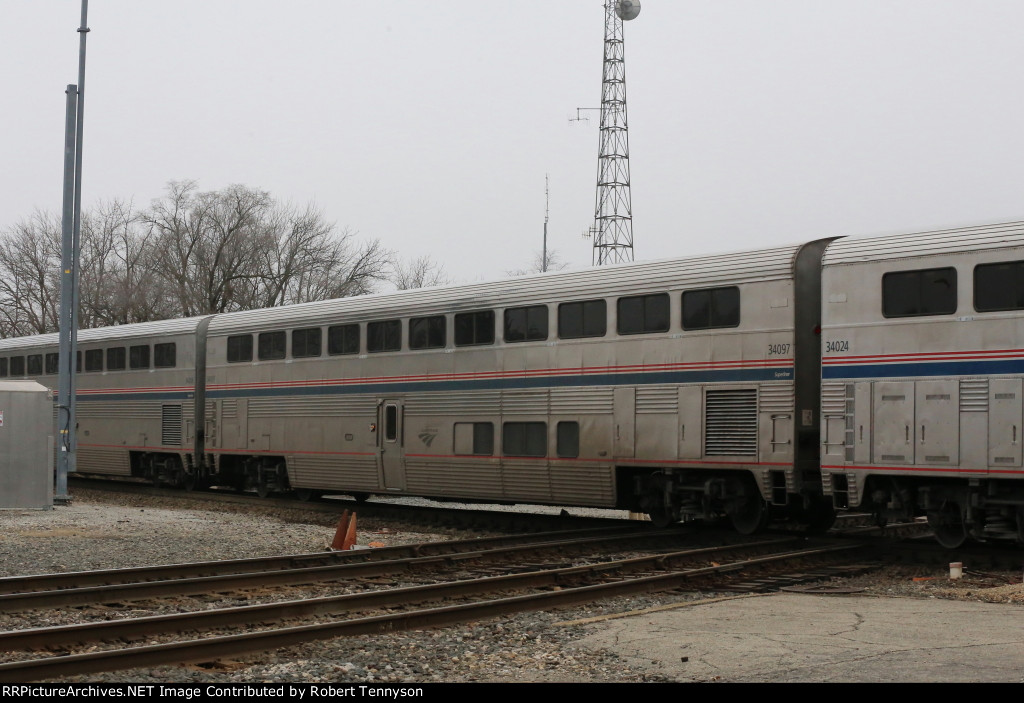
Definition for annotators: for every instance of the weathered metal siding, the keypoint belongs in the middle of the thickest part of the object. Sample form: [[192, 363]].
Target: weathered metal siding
[[916, 389]]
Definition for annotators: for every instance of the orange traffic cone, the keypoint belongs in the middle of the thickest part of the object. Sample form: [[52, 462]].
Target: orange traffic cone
[[345, 535]]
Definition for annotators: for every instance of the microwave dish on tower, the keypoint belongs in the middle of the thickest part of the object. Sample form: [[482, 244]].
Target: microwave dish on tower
[[627, 9]]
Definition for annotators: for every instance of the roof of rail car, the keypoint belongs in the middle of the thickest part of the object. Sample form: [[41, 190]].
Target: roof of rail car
[[620, 279], [854, 250], [160, 328]]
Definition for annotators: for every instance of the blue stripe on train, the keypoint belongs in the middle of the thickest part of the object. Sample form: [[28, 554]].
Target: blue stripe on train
[[714, 376], [975, 367]]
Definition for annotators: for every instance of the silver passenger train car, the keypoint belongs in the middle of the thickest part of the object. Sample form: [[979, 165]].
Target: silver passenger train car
[[872, 374], [923, 342]]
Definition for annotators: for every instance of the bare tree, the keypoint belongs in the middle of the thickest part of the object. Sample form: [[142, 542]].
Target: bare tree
[[541, 264], [30, 266], [306, 260], [208, 244], [190, 253], [117, 286], [238, 249], [418, 273]]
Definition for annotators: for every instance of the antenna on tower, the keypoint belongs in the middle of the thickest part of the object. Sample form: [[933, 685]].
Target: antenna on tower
[[613, 217], [547, 206]]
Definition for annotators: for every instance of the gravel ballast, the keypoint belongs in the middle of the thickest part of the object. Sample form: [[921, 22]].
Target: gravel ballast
[[101, 530]]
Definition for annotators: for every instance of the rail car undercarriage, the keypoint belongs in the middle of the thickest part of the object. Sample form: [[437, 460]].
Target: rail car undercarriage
[[671, 495], [982, 510]]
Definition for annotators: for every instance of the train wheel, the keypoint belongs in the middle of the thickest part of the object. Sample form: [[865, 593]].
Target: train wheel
[[306, 494], [655, 502], [818, 517], [660, 516], [192, 481], [748, 511], [262, 489], [948, 525]]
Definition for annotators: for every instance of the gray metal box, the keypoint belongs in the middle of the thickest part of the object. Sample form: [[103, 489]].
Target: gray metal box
[[26, 445]]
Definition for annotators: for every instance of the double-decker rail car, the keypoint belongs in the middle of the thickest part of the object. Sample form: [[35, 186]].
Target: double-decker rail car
[[923, 340], [666, 386], [136, 394], [880, 374], [682, 388]]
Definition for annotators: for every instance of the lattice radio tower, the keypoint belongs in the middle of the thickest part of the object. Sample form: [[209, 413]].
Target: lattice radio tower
[[613, 215]]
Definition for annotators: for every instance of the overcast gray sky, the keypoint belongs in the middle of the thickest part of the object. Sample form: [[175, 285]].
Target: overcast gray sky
[[431, 125]]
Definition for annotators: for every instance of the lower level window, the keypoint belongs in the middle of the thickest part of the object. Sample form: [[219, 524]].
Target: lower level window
[[474, 438], [568, 445], [525, 439]]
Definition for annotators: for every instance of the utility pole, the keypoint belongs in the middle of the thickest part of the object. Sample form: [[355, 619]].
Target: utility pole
[[67, 441]]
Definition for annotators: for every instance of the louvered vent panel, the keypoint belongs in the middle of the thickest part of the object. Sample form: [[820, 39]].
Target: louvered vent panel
[[472, 403], [170, 435], [776, 398], [572, 401], [657, 400], [730, 423], [229, 408], [128, 409], [524, 403], [974, 395], [833, 398], [301, 406]]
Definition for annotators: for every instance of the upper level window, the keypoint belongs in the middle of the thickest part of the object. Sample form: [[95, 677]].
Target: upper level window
[[52, 362], [306, 342], [474, 328], [999, 286], [916, 293], [3, 367], [588, 318], [714, 307], [643, 313], [526, 324], [343, 339], [165, 355], [384, 336], [138, 357], [427, 332], [271, 346], [35, 364], [116, 359], [93, 359], [240, 348], [17, 366]]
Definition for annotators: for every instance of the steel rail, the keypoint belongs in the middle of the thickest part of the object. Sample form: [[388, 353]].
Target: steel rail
[[107, 577], [62, 635], [218, 647], [13, 602]]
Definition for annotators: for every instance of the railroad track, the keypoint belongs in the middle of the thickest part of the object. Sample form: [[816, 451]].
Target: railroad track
[[479, 596], [126, 585]]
